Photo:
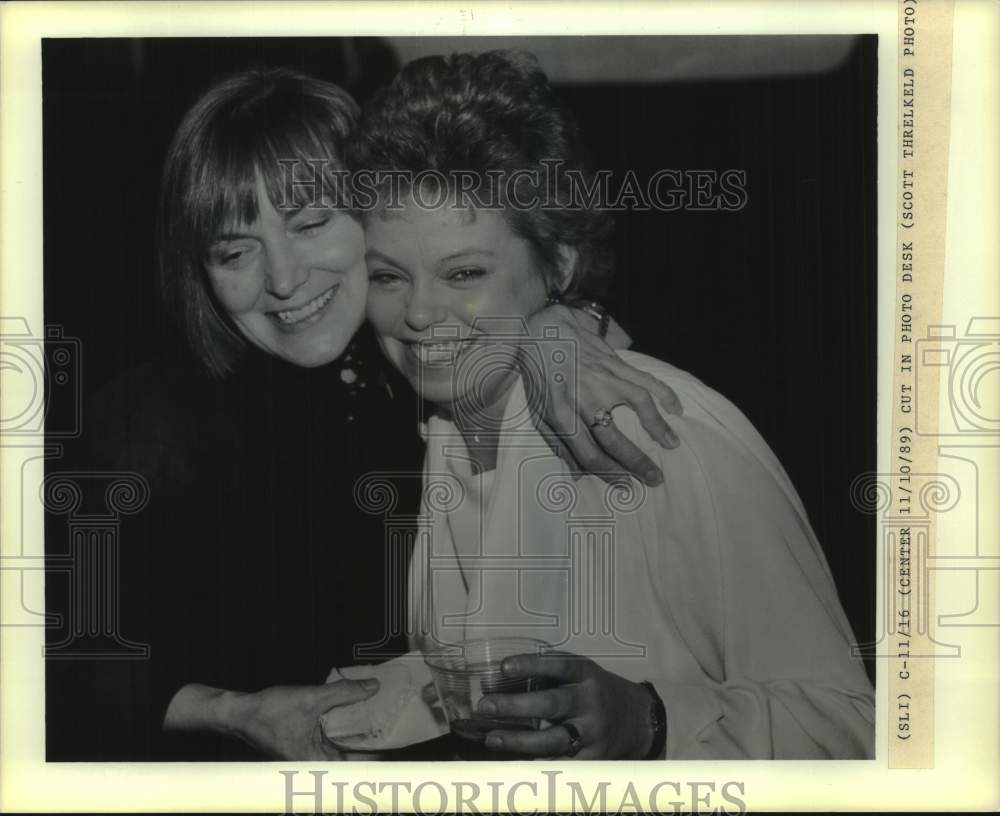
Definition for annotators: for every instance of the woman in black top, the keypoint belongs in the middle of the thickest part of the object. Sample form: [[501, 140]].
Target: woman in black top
[[253, 571]]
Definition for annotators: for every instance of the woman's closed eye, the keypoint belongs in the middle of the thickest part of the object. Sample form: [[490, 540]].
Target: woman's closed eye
[[231, 257], [313, 224]]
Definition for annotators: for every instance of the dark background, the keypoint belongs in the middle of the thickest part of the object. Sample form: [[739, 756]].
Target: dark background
[[773, 305]]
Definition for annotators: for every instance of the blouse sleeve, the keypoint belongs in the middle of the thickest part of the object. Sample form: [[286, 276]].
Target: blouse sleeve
[[748, 586]]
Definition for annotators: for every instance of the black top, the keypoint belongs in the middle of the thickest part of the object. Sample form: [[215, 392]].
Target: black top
[[253, 564]]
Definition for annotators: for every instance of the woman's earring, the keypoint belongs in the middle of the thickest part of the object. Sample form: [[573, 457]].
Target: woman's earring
[[554, 297]]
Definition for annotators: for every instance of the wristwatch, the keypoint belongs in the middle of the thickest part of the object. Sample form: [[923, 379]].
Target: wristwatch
[[658, 720], [590, 307]]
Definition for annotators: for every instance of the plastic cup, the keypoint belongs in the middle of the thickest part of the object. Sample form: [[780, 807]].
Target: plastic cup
[[466, 671]]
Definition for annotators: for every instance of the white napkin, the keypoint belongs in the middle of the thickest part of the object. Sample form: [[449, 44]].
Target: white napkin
[[404, 711]]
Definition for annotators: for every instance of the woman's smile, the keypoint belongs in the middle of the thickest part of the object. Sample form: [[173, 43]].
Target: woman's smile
[[293, 282], [436, 352], [437, 277], [301, 317]]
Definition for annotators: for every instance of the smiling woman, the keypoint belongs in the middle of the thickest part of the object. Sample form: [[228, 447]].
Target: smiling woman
[[446, 267], [253, 571], [222, 173], [696, 619], [292, 282]]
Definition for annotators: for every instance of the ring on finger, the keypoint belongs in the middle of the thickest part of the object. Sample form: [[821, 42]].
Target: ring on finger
[[602, 417], [575, 741]]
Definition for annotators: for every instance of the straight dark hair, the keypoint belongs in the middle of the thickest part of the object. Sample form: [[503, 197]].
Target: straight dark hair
[[241, 129]]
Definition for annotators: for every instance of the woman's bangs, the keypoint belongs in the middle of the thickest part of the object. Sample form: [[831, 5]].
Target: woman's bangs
[[297, 164], [300, 168], [235, 202], [221, 188]]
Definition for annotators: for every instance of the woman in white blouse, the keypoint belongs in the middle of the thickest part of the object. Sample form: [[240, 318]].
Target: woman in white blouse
[[696, 619]]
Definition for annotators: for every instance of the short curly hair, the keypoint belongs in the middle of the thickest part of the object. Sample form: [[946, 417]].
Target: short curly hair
[[495, 115]]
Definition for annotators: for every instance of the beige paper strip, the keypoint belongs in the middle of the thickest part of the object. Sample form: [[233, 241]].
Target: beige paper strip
[[925, 43]]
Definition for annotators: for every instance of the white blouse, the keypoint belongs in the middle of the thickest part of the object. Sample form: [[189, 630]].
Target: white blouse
[[712, 586]]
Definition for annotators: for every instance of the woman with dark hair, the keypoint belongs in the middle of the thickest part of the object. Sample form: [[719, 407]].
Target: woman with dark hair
[[252, 572], [235, 153], [694, 619]]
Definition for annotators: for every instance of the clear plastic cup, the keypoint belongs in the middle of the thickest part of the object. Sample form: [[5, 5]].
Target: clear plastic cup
[[467, 671]]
